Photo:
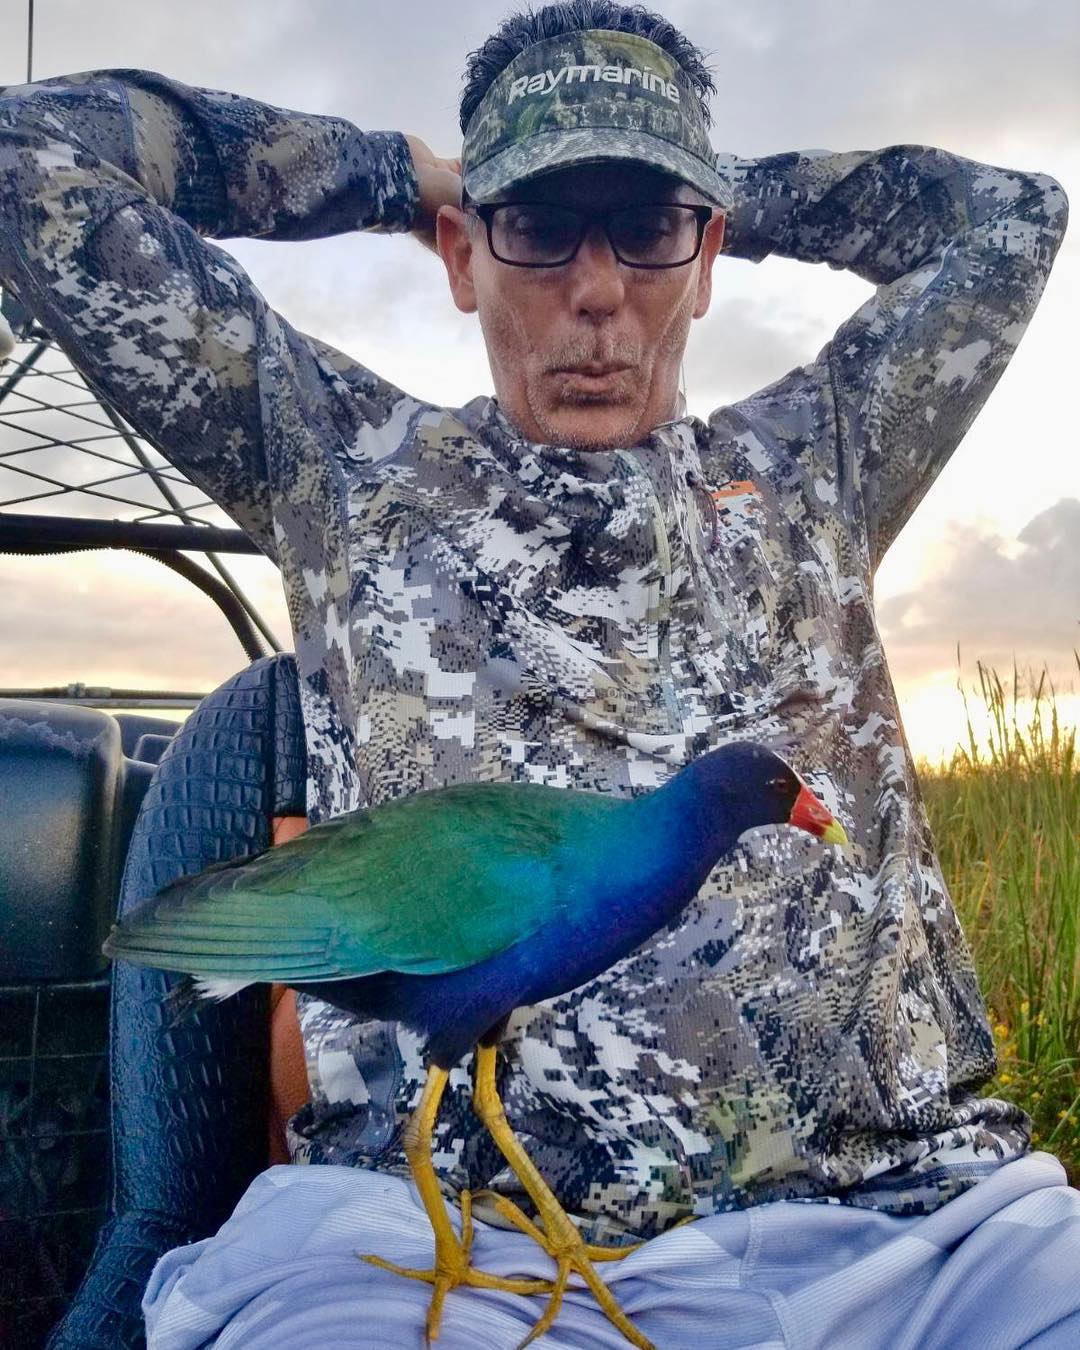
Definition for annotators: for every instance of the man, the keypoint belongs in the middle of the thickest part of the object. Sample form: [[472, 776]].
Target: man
[[575, 583]]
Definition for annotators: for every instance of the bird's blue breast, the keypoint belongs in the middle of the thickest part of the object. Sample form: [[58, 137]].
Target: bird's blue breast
[[608, 887], [623, 878]]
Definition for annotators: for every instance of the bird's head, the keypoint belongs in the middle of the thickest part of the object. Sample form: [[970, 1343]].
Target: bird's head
[[756, 787]]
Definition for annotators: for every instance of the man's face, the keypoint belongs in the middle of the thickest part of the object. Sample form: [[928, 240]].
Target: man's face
[[545, 328]]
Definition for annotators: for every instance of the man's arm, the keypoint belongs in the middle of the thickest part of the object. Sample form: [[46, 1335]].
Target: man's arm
[[110, 183], [959, 253]]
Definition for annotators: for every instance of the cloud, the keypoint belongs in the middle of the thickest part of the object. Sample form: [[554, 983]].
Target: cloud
[[118, 619], [983, 72], [743, 344], [1000, 600], [972, 75]]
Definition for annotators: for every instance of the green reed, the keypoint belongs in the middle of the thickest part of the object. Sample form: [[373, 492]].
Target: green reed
[[1006, 820]]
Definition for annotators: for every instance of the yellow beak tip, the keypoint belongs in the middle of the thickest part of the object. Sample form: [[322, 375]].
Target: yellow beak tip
[[835, 834]]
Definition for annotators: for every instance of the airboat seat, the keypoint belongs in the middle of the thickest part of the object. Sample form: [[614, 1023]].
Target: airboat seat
[[70, 798], [190, 1104]]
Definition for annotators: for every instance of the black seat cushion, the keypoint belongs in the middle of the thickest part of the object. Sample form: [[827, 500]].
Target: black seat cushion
[[62, 772]]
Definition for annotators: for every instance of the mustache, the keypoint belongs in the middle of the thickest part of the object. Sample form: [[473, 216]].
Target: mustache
[[577, 354]]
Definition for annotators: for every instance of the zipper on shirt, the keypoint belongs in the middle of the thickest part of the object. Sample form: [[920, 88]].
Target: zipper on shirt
[[663, 607]]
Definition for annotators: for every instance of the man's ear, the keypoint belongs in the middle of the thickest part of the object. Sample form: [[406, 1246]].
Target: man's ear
[[454, 239], [711, 244]]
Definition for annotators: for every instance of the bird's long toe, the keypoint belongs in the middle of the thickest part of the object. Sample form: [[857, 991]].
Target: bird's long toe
[[571, 1255], [451, 1269], [514, 1214], [572, 1258], [444, 1279]]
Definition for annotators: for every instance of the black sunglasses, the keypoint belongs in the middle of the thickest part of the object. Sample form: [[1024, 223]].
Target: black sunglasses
[[650, 235]]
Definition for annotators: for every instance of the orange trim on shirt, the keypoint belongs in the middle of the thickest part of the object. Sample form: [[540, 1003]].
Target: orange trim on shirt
[[739, 489]]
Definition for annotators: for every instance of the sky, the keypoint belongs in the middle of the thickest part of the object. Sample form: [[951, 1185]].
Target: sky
[[989, 566]]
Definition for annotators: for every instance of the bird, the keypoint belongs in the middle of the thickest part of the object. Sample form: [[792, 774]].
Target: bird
[[446, 909]]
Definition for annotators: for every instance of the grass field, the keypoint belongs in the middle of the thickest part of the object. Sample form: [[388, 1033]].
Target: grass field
[[1006, 818]]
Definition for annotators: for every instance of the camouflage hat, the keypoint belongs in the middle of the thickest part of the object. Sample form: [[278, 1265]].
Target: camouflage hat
[[583, 97]]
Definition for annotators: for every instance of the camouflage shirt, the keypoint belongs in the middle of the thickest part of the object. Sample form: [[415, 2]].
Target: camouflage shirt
[[470, 606]]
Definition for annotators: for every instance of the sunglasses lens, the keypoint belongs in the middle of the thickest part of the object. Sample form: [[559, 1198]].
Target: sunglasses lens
[[535, 234], [655, 236], [545, 235]]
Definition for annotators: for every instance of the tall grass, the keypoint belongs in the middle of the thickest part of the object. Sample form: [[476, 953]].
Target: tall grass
[[1006, 819]]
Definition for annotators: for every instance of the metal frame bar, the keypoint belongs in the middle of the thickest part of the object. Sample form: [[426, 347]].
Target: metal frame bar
[[189, 534], [18, 531]]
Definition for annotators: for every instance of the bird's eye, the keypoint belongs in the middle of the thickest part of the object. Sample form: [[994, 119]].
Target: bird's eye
[[780, 783]]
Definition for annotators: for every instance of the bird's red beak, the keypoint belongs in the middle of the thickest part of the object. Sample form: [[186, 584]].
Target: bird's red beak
[[811, 813]]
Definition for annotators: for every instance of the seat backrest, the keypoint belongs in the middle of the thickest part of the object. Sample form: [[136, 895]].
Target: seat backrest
[[151, 746], [70, 796], [133, 725], [189, 1102], [69, 791]]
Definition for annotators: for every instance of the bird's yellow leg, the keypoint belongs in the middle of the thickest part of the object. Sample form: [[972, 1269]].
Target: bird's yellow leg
[[560, 1238], [451, 1256]]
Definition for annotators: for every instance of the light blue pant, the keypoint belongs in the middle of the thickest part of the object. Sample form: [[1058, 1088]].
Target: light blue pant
[[994, 1269]]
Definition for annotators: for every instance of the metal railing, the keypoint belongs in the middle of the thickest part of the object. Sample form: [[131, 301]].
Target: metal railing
[[63, 446]]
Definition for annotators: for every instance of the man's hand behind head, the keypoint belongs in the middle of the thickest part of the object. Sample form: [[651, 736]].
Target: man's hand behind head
[[440, 185]]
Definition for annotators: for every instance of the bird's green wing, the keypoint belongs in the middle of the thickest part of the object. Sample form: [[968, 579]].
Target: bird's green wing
[[427, 883]]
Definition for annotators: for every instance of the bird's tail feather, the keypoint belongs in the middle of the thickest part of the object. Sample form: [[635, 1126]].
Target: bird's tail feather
[[223, 926]]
